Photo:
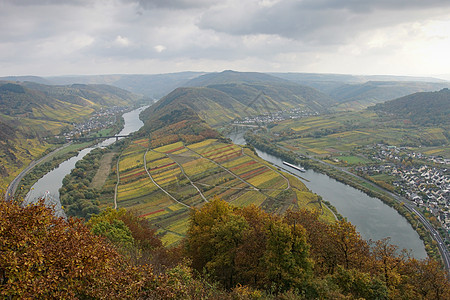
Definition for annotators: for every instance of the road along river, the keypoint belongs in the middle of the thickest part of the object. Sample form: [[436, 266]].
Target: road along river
[[48, 186], [372, 218]]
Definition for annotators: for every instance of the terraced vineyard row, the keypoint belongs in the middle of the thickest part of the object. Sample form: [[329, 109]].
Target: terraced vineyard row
[[162, 183]]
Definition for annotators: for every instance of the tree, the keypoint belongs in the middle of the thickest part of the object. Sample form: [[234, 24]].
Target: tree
[[250, 266], [130, 235], [426, 278], [43, 256], [359, 285], [317, 237], [248, 246], [227, 237], [387, 261], [286, 257], [350, 249], [199, 243]]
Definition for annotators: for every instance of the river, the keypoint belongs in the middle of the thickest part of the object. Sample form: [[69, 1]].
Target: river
[[48, 186], [372, 218]]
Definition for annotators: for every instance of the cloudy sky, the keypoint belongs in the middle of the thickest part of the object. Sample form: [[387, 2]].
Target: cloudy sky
[[61, 37]]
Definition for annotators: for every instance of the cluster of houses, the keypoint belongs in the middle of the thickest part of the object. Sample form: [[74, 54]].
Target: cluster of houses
[[277, 116], [103, 118], [426, 185]]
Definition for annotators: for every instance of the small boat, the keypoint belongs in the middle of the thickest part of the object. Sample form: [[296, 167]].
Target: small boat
[[294, 166]]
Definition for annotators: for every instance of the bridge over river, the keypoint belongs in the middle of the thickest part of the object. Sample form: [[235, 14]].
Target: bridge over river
[[91, 138]]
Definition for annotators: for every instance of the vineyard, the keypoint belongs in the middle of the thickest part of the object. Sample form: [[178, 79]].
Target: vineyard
[[162, 183]]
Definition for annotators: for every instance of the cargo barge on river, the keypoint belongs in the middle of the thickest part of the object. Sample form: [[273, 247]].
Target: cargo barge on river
[[294, 166]]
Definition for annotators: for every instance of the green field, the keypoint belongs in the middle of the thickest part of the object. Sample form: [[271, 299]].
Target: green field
[[352, 160]]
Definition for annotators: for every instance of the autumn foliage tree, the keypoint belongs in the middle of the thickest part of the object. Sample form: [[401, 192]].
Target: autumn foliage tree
[[248, 246], [250, 253], [134, 238], [43, 256]]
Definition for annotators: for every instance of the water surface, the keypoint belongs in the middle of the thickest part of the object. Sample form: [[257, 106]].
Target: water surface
[[372, 218]]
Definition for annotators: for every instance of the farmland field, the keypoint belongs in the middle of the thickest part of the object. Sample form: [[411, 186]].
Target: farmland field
[[177, 177], [339, 134]]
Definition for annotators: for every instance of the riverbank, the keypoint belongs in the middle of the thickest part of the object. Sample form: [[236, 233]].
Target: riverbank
[[11, 190], [350, 180], [27, 178], [50, 184]]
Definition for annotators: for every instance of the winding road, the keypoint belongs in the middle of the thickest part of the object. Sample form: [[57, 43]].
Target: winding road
[[12, 187]]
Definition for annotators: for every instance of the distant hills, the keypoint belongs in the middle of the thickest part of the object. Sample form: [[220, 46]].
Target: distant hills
[[358, 96], [348, 92], [153, 86], [55, 103], [219, 98], [353, 92], [425, 108], [229, 76]]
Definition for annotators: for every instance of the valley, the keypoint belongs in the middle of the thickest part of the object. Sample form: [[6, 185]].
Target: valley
[[232, 150], [33, 116], [179, 160]]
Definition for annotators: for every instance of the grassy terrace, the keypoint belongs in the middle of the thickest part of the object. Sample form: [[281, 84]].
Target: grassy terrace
[[204, 170]]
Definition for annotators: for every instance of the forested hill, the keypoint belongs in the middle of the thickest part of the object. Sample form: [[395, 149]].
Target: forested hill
[[247, 85], [420, 108], [231, 95], [44, 101], [86, 94], [176, 117], [213, 106]]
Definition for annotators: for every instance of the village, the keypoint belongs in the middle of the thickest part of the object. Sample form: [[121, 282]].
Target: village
[[425, 180], [278, 116], [101, 119]]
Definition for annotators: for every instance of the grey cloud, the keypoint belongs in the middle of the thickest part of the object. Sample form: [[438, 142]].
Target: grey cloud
[[54, 33], [46, 2], [319, 21], [175, 4], [365, 6]]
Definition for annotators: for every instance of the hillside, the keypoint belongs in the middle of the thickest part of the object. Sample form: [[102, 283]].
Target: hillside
[[55, 103], [426, 108], [213, 106], [154, 86], [354, 92], [357, 96], [247, 85], [35, 79], [86, 94], [230, 76], [31, 112], [220, 98]]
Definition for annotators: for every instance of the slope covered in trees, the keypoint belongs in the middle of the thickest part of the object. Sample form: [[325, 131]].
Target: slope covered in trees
[[427, 108], [38, 101], [230, 253]]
